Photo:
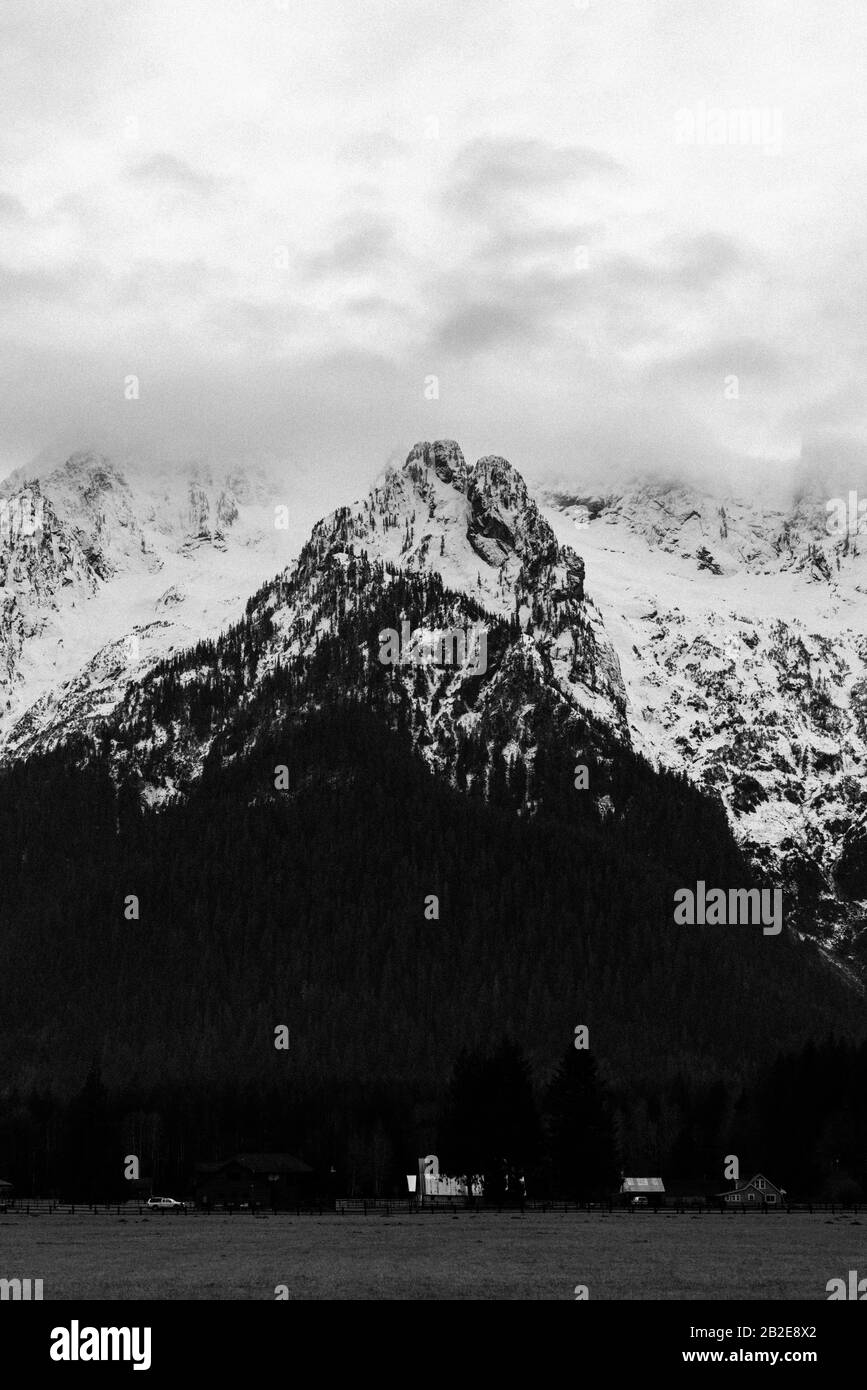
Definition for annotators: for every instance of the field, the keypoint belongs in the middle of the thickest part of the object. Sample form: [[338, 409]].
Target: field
[[423, 1256]]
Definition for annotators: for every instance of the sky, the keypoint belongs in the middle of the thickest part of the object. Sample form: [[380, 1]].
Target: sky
[[594, 236]]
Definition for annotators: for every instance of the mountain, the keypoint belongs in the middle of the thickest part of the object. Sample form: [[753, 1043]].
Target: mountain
[[435, 548], [713, 635], [739, 626], [103, 570], [397, 854], [716, 637]]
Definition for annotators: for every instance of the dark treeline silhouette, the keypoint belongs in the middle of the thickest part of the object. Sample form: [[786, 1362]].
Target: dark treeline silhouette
[[801, 1123]]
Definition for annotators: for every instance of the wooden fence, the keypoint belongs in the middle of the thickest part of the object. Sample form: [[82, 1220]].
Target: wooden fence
[[385, 1206]]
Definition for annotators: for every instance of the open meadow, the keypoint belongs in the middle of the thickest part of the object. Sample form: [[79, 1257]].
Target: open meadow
[[539, 1255]]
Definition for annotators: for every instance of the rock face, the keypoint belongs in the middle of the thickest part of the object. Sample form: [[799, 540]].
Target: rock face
[[481, 534], [740, 629]]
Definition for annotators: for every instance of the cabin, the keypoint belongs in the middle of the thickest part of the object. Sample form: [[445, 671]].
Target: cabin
[[757, 1192], [271, 1181]]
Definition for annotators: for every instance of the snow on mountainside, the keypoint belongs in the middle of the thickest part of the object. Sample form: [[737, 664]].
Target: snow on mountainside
[[105, 570], [481, 532], [478, 558], [741, 637], [718, 637]]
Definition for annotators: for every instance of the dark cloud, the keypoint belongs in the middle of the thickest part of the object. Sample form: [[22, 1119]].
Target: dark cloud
[[372, 149], [261, 327], [477, 326], [730, 356], [167, 171], [700, 261], [486, 312], [688, 264], [489, 175], [509, 246], [151, 282], [10, 208], [44, 285], [366, 247]]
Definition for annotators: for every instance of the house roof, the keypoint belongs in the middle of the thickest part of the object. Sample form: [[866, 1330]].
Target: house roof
[[642, 1185], [748, 1182], [259, 1163]]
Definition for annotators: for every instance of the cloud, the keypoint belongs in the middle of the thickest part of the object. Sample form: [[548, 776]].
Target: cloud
[[11, 209], [49, 286], [477, 326], [514, 308], [373, 150], [684, 264], [366, 247], [434, 174], [166, 171], [152, 282], [700, 261], [493, 173], [259, 326], [730, 356]]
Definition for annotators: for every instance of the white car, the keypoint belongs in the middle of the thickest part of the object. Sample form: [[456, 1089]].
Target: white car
[[165, 1204]]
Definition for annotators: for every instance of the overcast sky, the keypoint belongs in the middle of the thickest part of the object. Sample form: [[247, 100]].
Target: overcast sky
[[284, 218]]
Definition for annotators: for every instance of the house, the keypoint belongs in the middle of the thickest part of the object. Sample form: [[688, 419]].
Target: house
[[632, 1190], [757, 1192], [272, 1181]]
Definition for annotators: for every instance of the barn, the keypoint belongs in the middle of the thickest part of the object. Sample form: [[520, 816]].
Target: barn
[[651, 1189]]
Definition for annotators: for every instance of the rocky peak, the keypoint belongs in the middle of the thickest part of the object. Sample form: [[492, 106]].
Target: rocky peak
[[505, 519], [444, 456]]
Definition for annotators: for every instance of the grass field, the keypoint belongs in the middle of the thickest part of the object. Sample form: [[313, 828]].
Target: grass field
[[419, 1256]]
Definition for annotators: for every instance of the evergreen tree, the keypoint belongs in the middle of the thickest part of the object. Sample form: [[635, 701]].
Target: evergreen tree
[[582, 1149]]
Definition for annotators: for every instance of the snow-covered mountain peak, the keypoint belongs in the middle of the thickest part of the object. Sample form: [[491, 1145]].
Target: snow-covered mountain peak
[[95, 552], [444, 456]]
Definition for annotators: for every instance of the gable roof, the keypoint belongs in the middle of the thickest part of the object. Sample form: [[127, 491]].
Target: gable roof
[[749, 1182], [642, 1185]]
